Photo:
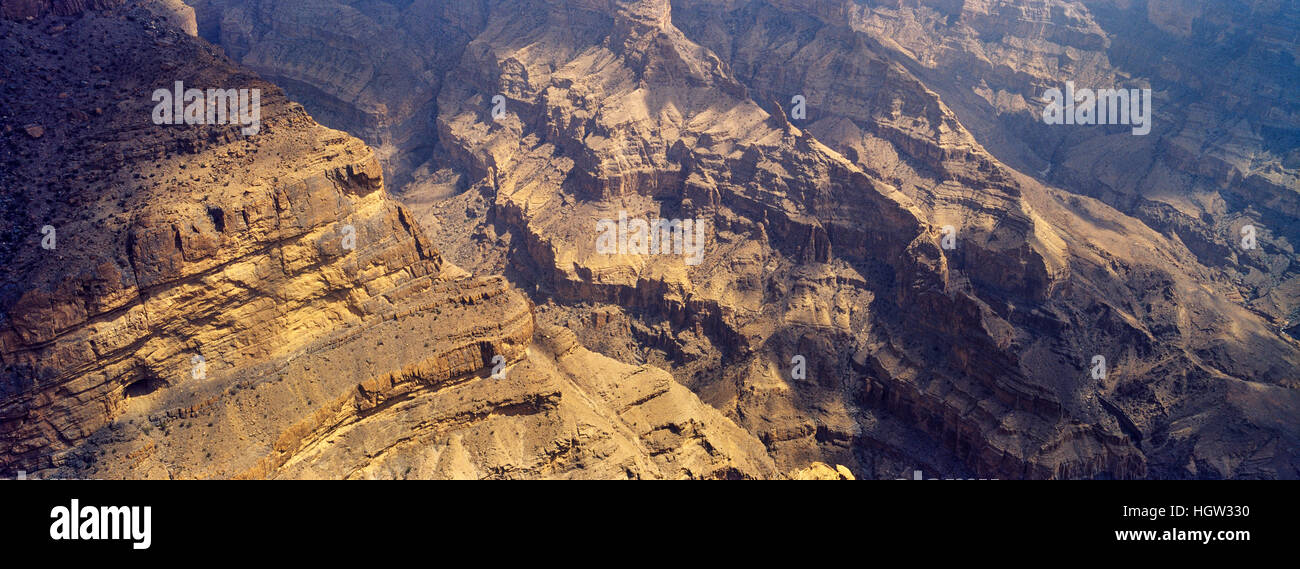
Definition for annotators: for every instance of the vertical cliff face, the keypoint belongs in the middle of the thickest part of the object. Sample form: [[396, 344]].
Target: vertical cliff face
[[1222, 153], [887, 278], [352, 64], [195, 300], [177, 242], [826, 226]]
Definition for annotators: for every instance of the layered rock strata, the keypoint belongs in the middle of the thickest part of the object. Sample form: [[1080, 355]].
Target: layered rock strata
[[826, 237], [215, 304]]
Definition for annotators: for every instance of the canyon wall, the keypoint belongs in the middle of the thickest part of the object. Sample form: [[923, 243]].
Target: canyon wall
[[948, 269], [825, 228], [216, 304]]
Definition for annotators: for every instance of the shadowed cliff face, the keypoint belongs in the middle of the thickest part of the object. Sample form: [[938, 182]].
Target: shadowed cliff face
[[888, 281], [188, 300], [18, 9], [1224, 151], [827, 222]]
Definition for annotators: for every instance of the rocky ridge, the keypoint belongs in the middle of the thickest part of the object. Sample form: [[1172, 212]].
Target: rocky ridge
[[825, 242], [825, 235], [218, 305], [1224, 151]]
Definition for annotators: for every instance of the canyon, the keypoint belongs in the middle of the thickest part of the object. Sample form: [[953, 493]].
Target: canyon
[[317, 360], [473, 239]]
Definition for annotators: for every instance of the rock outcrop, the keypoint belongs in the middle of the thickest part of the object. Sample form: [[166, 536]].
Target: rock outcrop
[[1224, 149], [823, 471], [826, 225], [901, 267], [188, 301]]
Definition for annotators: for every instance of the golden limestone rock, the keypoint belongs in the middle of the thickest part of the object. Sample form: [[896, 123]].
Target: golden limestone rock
[[823, 471], [219, 304], [876, 287], [735, 239]]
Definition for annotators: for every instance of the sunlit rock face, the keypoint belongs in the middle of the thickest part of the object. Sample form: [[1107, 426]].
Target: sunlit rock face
[[219, 304], [903, 266]]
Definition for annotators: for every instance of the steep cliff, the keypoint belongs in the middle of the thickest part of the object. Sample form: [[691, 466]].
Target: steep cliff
[[195, 301], [826, 226], [901, 266], [1224, 149]]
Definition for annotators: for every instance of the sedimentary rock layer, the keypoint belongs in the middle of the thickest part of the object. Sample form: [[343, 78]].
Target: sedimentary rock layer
[[218, 304], [825, 229]]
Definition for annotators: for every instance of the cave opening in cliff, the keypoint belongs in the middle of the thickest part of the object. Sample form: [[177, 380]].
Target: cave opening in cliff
[[143, 387]]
